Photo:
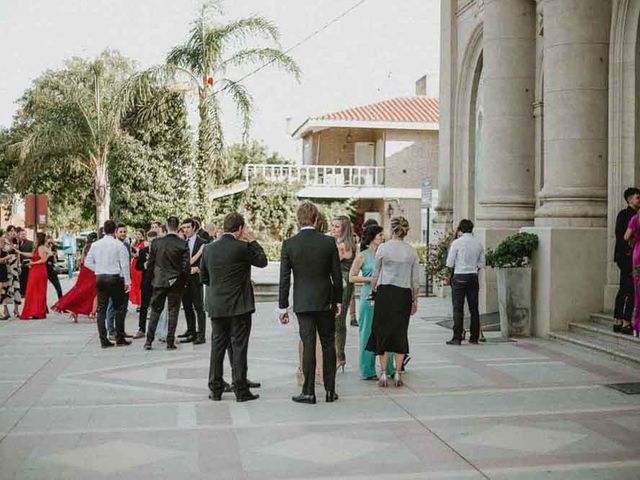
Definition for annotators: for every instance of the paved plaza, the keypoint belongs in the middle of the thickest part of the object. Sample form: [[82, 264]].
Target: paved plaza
[[529, 409]]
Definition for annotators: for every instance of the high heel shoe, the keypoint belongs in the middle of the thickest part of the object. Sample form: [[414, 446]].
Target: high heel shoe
[[341, 364], [397, 379], [383, 381], [464, 334]]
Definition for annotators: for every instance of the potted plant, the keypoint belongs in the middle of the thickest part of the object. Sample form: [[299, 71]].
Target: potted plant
[[436, 262], [511, 259]]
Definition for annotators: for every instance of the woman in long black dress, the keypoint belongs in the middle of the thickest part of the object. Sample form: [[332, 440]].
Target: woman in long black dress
[[396, 287]]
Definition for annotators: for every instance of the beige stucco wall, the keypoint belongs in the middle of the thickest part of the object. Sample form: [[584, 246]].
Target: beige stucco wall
[[410, 156], [330, 146]]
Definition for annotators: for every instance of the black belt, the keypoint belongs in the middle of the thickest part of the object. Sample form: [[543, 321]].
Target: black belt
[[109, 275]]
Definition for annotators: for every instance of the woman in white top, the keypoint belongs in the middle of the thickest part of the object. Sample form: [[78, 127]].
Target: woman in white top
[[396, 287]]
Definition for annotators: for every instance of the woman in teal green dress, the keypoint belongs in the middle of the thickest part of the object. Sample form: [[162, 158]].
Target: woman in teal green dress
[[361, 272]]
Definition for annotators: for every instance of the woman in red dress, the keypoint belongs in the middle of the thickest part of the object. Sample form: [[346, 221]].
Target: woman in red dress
[[80, 300], [135, 295], [35, 303]]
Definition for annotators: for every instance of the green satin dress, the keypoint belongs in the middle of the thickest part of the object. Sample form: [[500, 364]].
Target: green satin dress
[[365, 320]]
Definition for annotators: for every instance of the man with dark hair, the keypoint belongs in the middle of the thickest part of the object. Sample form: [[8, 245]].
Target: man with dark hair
[[226, 269], [169, 262], [466, 257], [25, 247], [109, 260], [317, 297], [622, 256], [192, 295], [202, 232], [120, 234], [146, 284]]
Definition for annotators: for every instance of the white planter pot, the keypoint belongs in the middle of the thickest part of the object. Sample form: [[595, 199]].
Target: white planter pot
[[514, 301]]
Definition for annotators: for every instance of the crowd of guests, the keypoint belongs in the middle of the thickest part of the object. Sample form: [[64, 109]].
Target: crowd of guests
[[208, 271]]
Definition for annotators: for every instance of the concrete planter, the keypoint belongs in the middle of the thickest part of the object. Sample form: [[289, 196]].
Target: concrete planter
[[514, 301]]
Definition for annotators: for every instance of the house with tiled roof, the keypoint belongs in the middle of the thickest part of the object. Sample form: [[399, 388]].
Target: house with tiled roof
[[379, 154]]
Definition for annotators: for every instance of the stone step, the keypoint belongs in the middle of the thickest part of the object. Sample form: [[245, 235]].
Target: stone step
[[600, 343], [598, 330], [604, 319]]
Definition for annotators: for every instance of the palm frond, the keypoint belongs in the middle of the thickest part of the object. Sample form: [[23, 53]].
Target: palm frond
[[239, 31], [264, 56], [244, 103], [186, 56]]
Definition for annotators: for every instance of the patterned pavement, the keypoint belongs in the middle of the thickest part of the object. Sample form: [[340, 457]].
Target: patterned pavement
[[529, 409]]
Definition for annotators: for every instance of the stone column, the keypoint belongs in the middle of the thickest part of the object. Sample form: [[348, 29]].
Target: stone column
[[444, 209], [506, 174], [576, 54], [505, 167], [570, 263]]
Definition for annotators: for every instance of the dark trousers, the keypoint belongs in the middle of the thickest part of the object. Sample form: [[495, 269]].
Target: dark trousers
[[55, 281], [24, 277], [229, 331], [624, 298], [173, 295], [324, 324], [146, 292], [111, 287], [465, 285], [193, 307]]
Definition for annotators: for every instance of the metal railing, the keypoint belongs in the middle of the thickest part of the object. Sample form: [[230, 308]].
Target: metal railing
[[317, 175]]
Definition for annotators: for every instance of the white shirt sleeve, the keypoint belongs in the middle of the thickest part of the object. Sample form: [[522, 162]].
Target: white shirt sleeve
[[451, 256], [90, 261], [378, 263], [481, 260], [125, 269]]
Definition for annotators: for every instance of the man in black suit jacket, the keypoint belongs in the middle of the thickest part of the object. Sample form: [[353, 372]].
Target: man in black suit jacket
[[226, 268], [25, 247], [192, 296], [317, 293], [169, 262]]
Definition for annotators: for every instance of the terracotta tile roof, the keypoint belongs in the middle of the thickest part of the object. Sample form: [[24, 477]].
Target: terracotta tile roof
[[400, 109]]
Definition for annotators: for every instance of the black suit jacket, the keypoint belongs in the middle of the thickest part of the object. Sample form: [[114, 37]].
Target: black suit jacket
[[147, 275], [226, 268], [199, 242], [622, 252], [169, 261], [313, 258], [25, 247]]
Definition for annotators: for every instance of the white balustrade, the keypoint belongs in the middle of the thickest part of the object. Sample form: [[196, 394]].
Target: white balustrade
[[317, 175]]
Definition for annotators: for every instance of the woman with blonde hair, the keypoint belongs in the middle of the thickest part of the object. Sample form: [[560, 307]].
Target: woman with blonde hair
[[396, 284], [342, 231]]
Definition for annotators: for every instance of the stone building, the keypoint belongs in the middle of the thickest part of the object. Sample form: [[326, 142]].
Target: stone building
[[539, 131]]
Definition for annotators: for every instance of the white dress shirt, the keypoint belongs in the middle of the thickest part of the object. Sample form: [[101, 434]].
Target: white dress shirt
[[466, 255], [192, 242], [109, 256]]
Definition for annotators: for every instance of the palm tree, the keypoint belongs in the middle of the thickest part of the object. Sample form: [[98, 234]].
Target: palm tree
[[73, 117], [200, 65]]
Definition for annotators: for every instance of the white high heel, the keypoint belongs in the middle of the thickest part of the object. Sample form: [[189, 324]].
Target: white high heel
[[397, 379], [383, 382]]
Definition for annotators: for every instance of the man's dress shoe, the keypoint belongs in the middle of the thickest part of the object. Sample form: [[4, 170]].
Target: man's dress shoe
[[199, 340], [454, 341], [331, 397], [216, 397], [246, 397], [188, 339], [185, 334], [302, 398]]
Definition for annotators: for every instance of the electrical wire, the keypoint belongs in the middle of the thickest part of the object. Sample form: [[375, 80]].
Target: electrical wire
[[295, 45]]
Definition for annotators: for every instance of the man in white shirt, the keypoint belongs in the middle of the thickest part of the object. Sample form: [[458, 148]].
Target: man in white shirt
[[109, 260], [466, 257]]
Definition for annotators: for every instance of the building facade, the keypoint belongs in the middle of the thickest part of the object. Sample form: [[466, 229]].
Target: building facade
[[539, 122]]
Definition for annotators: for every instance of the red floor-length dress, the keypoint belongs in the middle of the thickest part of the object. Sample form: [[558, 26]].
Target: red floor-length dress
[[79, 299], [35, 303], [135, 295]]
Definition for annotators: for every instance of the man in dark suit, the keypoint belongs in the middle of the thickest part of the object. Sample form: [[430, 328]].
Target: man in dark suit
[[622, 256], [192, 296], [169, 261], [201, 232], [226, 269], [146, 285], [317, 293], [25, 247]]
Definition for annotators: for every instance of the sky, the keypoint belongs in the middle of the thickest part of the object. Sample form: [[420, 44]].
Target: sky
[[377, 51]]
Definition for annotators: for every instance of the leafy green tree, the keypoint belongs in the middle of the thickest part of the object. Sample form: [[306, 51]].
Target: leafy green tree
[[72, 119], [241, 154], [199, 66]]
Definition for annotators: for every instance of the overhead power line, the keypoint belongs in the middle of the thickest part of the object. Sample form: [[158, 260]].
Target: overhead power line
[[297, 44]]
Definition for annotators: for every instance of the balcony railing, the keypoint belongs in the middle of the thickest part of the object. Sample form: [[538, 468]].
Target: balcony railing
[[317, 175]]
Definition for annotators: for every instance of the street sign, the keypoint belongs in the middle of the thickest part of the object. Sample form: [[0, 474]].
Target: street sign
[[427, 191]]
